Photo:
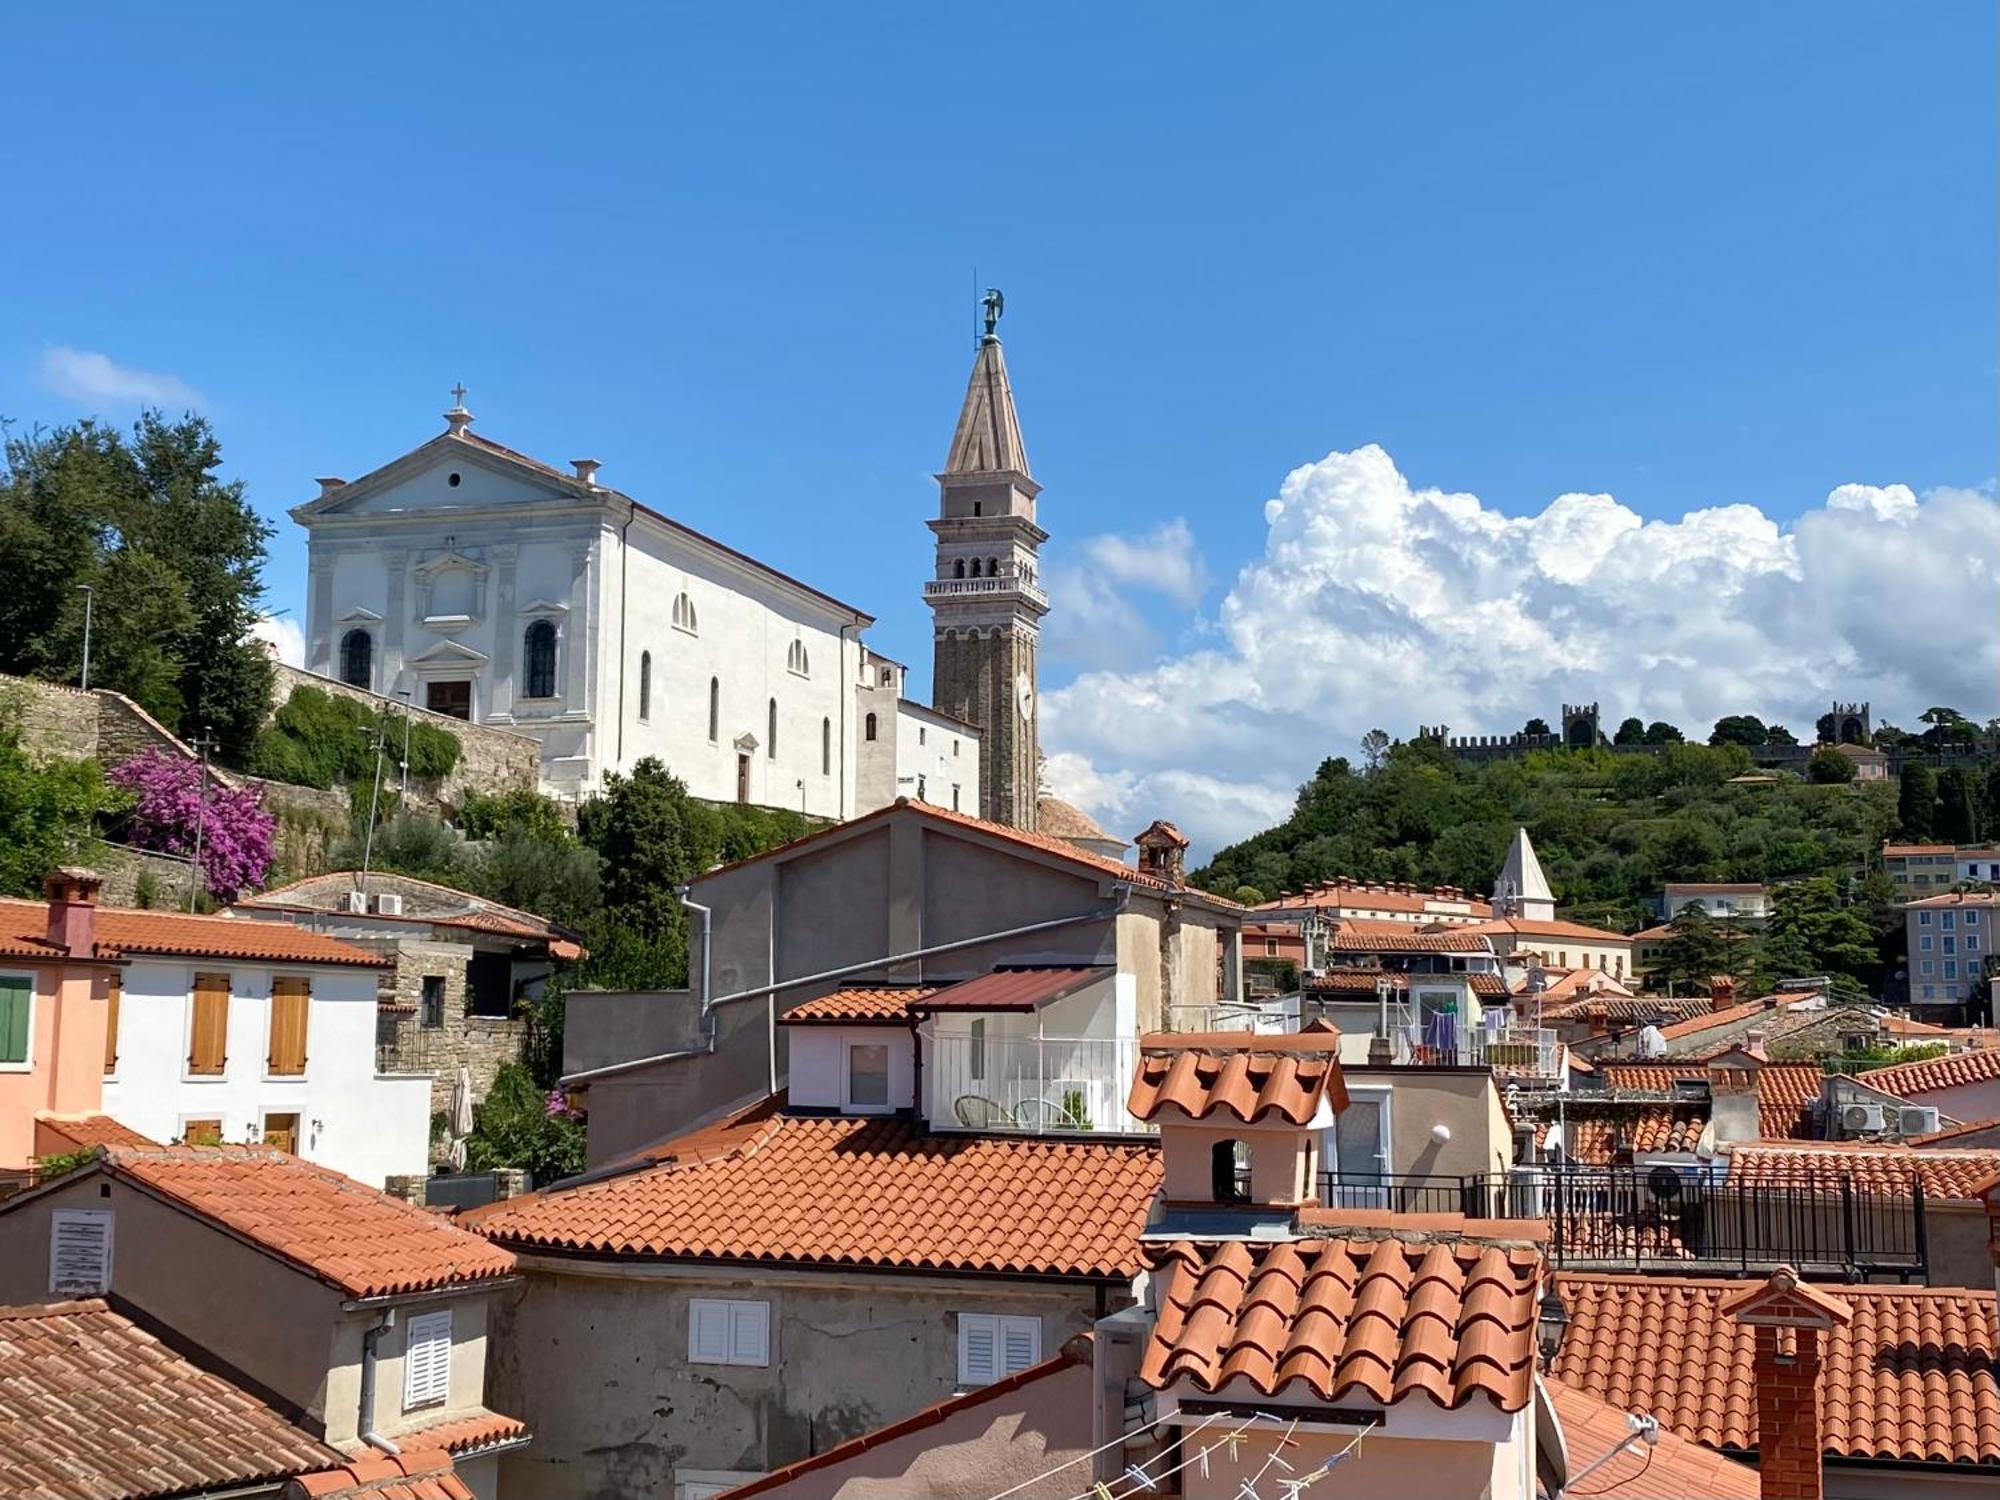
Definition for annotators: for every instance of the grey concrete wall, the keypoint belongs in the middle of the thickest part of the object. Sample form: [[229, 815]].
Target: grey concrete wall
[[602, 1027], [599, 1365]]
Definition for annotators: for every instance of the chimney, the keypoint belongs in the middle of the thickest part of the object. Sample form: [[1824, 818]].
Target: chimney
[[1163, 852], [586, 469], [1733, 1110], [72, 895], [327, 486], [1721, 991], [1788, 1318]]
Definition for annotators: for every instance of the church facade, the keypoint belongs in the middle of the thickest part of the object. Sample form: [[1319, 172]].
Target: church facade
[[473, 580]]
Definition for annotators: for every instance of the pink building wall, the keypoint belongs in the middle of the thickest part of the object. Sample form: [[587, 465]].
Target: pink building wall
[[65, 1072]]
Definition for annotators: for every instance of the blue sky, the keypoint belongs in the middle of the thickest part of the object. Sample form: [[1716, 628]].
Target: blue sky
[[1688, 258]]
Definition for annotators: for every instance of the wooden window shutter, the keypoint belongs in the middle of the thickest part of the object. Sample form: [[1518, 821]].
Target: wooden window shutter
[[291, 1003], [17, 997], [114, 996], [208, 1036]]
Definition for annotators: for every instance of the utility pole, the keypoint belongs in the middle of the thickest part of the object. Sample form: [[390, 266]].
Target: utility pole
[[204, 744], [89, 599], [403, 796], [374, 795]]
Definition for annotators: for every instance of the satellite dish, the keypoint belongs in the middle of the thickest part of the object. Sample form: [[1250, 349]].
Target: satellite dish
[[1664, 1183], [1652, 1041]]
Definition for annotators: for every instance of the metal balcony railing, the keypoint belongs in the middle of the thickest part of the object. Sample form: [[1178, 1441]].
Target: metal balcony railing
[[1525, 1051], [1030, 1086]]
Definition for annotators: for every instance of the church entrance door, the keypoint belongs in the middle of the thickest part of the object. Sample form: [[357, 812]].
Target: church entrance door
[[742, 777], [454, 698]]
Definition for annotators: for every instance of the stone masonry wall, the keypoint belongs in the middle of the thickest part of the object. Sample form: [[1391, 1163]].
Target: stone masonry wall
[[54, 720], [490, 760], [480, 1044]]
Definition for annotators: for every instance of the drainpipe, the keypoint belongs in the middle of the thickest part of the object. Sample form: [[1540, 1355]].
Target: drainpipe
[[624, 568], [705, 916], [846, 692], [369, 1340]]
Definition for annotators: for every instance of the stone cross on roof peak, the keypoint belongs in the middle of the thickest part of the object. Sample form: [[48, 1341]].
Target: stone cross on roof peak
[[458, 418]]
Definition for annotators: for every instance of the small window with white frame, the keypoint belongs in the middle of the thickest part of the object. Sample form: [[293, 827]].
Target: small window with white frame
[[703, 1484], [992, 1346], [427, 1360], [868, 1075], [725, 1331]]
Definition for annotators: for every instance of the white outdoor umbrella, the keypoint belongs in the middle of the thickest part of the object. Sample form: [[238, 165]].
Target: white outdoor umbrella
[[461, 1102], [455, 1154]]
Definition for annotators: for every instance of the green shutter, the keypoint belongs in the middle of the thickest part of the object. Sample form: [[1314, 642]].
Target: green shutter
[[16, 997]]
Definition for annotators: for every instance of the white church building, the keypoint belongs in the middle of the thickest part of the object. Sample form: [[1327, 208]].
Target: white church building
[[472, 580]]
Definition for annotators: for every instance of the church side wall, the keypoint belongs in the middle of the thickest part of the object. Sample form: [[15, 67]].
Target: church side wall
[[936, 760]]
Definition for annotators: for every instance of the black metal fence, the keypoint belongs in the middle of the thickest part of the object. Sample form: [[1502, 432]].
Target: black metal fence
[[1669, 1217]]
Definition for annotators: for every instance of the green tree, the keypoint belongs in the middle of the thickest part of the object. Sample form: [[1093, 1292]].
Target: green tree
[[1829, 767], [1739, 729], [1812, 931], [173, 553], [1916, 801], [1374, 745], [518, 1125], [1777, 734], [1957, 817], [1536, 727], [653, 838], [1692, 954], [1630, 732], [44, 810], [1660, 732]]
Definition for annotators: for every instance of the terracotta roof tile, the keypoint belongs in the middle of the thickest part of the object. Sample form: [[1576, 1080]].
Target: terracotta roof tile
[[122, 932], [1784, 1090], [410, 1475], [1909, 1377], [1533, 927], [355, 1237], [1671, 1469], [1343, 894], [465, 1434], [84, 1131], [1383, 1318], [1706, 1020], [1358, 981], [860, 1004], [1951, 1071], [1955, 898], [1953, 1132], [1873, 1167], [1244, 1074], [91, 1406], [1626, 1010], [1594, 1137], [1367, 935], [769, 1187]]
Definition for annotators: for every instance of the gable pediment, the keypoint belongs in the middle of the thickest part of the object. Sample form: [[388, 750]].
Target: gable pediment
[[359, 615], [455, 653], [422, 481], [450, 561]]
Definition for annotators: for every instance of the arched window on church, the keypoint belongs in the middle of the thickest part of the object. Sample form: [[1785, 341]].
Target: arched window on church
[[771, 732], [796, 659], [958, 568], [645, 685], [684, 617], [868, 727], [714, 709], [357, 659], [538, 660], [992, 567], [826, 747]]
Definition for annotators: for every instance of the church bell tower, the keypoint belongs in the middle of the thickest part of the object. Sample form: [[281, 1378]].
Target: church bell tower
[[986, 597]]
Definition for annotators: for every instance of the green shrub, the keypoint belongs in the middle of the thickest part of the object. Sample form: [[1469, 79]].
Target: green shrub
[[317, 739]]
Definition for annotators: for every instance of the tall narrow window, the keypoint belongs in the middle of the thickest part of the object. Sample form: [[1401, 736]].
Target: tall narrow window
[[868, 727], [684, 617], [958, 568], [771, 735], [291, 1001], [714, 709], [427, 1361], [208, 1027], [992, 567], [17, 998], [975, 567], [357, 659], [796, 659], [645, 685], [430, 1009], [538, 654], [114, 996]]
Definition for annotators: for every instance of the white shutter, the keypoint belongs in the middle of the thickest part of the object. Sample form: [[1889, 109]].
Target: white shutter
[[750, 1333], [708, 1332], [1020, 1344], [427, 1360], [978, 1348], [80, 1251]]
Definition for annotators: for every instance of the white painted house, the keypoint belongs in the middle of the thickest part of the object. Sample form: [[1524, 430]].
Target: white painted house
[[494, 587], [236, 1031]]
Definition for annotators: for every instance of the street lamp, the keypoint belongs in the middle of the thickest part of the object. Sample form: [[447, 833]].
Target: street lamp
[[403, 796], [89, 599]]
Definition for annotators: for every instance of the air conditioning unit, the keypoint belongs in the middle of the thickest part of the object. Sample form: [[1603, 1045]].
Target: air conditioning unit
[[355, 902], [1916, 1119], [1860, 1119], [389, 904]]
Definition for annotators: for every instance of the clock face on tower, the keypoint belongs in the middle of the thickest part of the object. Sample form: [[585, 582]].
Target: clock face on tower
[[1024, 695]]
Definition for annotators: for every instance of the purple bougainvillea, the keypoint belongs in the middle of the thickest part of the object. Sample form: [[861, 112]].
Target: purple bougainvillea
[[235, 828]]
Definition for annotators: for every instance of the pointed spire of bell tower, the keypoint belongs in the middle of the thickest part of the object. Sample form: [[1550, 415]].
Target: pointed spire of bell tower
[[985, 596]]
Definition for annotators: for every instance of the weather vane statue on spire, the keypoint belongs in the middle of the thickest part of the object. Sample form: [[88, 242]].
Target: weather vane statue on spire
[[995, 304]]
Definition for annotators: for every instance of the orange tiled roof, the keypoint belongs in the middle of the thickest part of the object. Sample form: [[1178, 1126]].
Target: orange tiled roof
[[1872, 1166], [1370, 935], [1729, 1015], [862, 1004], [1594, 1138], [93, 1406], [1953, 1132], [466, 1434], [1951, 1071], [1341, 894], [85, 1131], [1533, 927], [410, 1475], [1671, 1469], [1625, 1009], [1784, 1090], [1387, 1319], [354, 1237], [1361, 982], [122, 932], [1953, 899], [768, 1187], [1910, 1377], [1248, 1075]]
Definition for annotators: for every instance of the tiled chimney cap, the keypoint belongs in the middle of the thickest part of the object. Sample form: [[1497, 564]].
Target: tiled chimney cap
[[72, 883], [1782, 1300]]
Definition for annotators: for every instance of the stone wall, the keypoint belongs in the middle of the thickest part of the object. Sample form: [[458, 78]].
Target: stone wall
[[490, 760], [124, 867], [479, 1044], [54, 720]]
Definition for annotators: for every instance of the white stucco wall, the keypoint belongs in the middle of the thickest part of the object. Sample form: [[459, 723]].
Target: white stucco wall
[[937, 759], [349, 1118], [819, 1063]]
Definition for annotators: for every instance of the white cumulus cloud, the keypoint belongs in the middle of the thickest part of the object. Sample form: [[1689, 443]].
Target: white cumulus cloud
[[1377, 604], [1099, 583], [91, 379], [282, 634]]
